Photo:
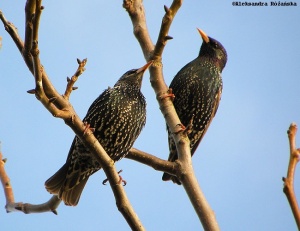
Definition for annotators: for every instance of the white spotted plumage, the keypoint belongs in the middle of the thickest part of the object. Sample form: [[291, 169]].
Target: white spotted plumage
[[117, 116]]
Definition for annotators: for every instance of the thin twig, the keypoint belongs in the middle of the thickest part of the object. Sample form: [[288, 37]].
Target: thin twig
[[8, 191], [70, 85], [12, 30], [288, 188], [167, 20]]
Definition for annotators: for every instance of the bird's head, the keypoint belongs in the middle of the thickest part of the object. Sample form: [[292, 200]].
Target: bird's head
[[134, 76], [213, 50]]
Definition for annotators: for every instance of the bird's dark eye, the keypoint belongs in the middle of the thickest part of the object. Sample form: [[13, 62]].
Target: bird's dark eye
[[131, 72], [215, 45]]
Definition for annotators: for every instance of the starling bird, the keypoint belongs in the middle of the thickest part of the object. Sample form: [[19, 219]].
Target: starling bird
[[197, 88], [117, 117]]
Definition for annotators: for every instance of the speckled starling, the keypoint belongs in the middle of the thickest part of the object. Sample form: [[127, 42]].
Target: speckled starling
[[117, 116], [197, 88]]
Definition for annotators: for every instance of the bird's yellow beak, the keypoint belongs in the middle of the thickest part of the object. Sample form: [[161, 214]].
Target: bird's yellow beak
[[144, 68], [203, 35]]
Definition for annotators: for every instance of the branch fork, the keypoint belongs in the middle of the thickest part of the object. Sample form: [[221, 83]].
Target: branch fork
[[182, 168]]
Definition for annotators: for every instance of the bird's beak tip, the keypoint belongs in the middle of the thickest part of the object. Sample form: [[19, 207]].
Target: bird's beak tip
[[203, 35], [145, 67]]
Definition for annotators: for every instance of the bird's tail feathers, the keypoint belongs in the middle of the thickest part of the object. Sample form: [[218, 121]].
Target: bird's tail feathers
[[55, 182], [58, 184], [72, 196]]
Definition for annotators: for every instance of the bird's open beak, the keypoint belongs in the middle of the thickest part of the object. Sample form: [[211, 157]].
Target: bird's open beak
[[203, 35], [145, 67]]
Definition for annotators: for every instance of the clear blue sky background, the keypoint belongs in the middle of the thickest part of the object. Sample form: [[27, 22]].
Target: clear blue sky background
[[243, 156]]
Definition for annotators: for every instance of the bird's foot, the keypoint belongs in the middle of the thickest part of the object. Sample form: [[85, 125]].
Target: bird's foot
[[168, 94], [189, 127], [105, 181], [87, 128], [186, 130], [121, 180], [182, 128]]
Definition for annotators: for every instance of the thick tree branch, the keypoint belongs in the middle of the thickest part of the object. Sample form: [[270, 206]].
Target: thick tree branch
[[184, 171], [49, 206], [60, 107], [152, 161], [288, 188]]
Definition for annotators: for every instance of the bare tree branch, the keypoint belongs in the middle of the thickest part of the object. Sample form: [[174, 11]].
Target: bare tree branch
[[49, 206], [167, 20], [8, 191], [12, 31], [137, 14], [184, 171], [60, 107], [152, 161], [12, 206], [74, 78], [288, 187]]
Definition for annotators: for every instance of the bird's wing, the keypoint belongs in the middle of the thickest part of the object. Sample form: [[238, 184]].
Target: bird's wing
[[97, 104], [180, 85], [215, 108]]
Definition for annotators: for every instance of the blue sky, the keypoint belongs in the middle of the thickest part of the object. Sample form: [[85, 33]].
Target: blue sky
[[239, 163]]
